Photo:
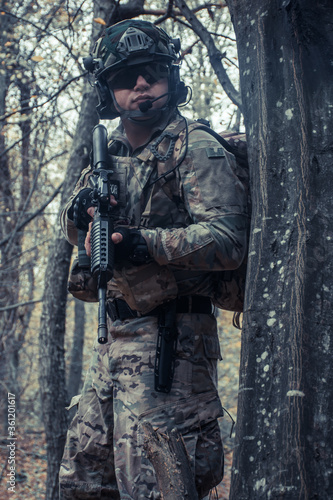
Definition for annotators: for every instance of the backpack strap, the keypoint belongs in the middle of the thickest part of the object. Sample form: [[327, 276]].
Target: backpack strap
[[165, 151], [232, 142], [170, 150]]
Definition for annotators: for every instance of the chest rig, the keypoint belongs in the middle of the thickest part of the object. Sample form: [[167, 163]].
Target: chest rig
[[151, 187], [160, 200]]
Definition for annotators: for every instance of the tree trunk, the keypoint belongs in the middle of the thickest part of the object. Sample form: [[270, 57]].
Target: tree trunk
[[75, 368], [52, 329], [285, 414], [11, 332], [170, 460]]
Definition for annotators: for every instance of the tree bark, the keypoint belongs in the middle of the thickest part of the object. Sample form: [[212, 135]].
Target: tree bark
[[170, 460], [52, 329], [285, 409], [11, 329], [75, 368]]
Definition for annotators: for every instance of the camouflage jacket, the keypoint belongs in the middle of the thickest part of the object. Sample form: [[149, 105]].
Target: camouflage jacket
[[194, 220]]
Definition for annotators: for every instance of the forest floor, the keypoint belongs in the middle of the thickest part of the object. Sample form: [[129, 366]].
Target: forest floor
[[30, 468], [30, 446]]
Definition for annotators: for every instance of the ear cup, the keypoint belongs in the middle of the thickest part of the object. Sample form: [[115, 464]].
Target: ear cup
[[177, 86], [105, 107], [182, 93]]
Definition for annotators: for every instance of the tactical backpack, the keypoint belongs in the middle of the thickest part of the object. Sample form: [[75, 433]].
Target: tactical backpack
[[229, 288]]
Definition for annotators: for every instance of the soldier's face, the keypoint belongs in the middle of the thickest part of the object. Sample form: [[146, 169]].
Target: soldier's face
[[132, 87]]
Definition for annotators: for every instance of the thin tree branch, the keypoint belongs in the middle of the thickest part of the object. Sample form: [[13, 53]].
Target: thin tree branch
[[35, 106], [38, 28], [25, 252], [15, 306], [167, 14], [177, 12], [32, 216], [222, 36], [214, 54], [208, 5]]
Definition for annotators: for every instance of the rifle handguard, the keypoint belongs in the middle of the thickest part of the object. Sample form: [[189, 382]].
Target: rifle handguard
[[102, 250]]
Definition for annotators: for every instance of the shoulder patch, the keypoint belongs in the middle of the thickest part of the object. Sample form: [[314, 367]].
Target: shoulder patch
[[215, 152]]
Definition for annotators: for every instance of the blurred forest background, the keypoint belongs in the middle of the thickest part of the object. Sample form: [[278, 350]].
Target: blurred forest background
[[42, 84]]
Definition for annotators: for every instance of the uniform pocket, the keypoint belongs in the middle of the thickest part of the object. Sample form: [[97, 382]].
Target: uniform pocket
[[185, 414], [81, 283], [146, 287], [206, 355], [211, 345]]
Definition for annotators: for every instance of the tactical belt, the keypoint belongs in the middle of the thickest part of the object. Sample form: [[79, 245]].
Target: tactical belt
[[191, 304]]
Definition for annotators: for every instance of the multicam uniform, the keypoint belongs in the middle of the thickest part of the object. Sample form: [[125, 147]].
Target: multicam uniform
[[194, 223]]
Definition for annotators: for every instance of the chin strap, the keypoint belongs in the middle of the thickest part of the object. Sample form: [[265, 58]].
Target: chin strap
[[152, 117], [149, 121]]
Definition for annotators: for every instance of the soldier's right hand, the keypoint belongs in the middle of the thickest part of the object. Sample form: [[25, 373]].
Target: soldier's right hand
[[81, 207]]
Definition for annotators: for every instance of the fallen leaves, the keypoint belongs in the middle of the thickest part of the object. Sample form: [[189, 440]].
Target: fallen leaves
[[30, 468]]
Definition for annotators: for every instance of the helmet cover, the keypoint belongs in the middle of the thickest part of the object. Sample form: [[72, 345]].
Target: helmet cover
[[133, 42]]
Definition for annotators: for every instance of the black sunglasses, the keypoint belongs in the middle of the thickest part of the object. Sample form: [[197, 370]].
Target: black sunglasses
[[126, 78]]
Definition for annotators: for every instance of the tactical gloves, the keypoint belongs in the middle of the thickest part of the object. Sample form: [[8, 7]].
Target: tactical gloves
[[78, 211], [132, 248]]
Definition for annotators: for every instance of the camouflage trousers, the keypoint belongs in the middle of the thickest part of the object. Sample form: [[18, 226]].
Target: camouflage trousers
[[104, 457]]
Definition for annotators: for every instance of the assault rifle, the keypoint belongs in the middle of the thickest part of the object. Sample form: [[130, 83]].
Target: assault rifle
[[102, 247]]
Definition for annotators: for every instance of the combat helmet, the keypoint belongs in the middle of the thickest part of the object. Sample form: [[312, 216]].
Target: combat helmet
[[130, 44]]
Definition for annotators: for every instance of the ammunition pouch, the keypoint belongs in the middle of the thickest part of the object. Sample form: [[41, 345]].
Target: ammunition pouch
[[146, 286]]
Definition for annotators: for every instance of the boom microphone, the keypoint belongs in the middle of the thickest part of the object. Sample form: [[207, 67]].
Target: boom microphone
[[146, 105]]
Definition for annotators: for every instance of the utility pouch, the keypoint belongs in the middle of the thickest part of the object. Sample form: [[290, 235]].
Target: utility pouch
[[146, 286], [81, 283], [166, 347]]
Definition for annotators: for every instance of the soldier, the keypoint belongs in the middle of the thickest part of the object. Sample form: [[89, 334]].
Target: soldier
[[173, 234]]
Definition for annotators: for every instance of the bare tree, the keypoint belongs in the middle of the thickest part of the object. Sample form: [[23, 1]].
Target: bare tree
[[12, 200], [285, 398], [214, 54], [75, 367], [26, 187], [52, 329]]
